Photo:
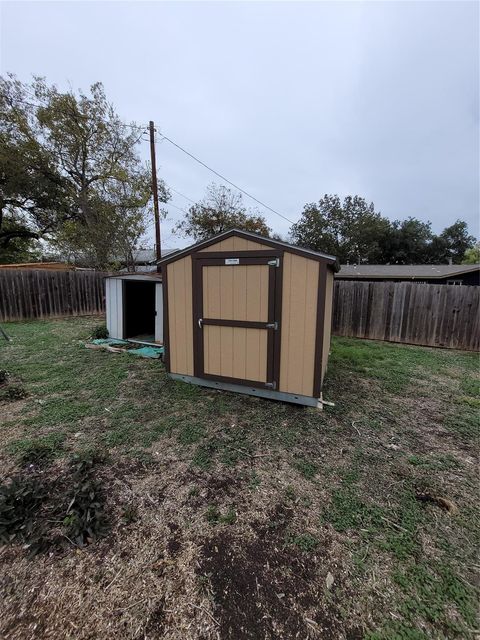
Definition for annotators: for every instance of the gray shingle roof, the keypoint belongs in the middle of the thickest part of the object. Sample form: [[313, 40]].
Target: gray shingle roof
[[406, 271]]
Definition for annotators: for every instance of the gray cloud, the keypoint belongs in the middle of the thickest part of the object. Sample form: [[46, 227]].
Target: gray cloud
[[289, 100]]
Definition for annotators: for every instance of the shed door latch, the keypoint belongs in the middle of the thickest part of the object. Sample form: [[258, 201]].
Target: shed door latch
[[274, 263], [200, 322], [272, 325], [271, 385]]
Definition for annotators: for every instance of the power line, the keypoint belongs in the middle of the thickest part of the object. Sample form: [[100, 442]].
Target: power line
[[224, 178], [181, 194]]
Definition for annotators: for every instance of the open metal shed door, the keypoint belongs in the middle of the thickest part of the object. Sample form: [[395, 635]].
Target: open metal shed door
[[159, 313], [236, 313]]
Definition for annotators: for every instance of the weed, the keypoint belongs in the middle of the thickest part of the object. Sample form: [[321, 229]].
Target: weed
[[254, 482], [85, 517], [4, 375], [100, 332], [204, 454], [130, 513], [304, 541], [191, 433], [38, 450], [214, 515], [20, 500], [348, 511], [12, 392], [307, 468], [290, 493]]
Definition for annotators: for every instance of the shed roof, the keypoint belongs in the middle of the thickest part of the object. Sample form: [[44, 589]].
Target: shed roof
[[405, 271], [151, 276], [248, 235]]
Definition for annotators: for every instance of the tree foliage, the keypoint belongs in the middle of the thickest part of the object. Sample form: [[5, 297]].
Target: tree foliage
[[472, 255], [354, 232], [220, 210], [70, 173]]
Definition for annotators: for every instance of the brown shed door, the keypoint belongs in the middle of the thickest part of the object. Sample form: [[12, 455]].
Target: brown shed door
[[236, 319]]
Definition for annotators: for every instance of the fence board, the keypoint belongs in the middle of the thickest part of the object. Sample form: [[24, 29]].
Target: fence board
[[27, 294], [434, 315]]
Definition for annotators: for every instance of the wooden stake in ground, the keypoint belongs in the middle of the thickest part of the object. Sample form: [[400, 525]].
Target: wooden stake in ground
[[156, 210]]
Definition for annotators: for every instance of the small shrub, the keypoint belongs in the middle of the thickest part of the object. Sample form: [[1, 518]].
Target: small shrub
[[12, 392], [100, 332], [20, 500], [85, 518]]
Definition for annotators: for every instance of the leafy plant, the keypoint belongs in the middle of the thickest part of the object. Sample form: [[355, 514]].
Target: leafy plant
[[20, 500], [85, 518], [12, 392], [215, 516], [304, 541], [100, 332]]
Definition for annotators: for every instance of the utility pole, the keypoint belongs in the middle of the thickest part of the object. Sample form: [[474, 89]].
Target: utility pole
[[156, 210]]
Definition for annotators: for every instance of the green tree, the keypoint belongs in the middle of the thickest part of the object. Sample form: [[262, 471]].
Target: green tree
[[351, 230], [220, 210], [457, 241], [71, 173], [472, 255]]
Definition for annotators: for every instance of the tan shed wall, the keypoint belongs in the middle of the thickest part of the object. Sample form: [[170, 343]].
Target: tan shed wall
[[235, 244], [299, 314], [235, 352], [327, 326], [236, 293], [180, 319]]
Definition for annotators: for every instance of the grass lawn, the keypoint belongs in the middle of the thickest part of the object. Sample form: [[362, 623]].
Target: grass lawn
[[136, 507]]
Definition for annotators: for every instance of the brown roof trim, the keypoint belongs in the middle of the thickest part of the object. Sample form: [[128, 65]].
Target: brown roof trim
[[248, 235]]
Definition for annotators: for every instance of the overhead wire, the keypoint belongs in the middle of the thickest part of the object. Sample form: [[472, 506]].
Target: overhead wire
[[222, 177]]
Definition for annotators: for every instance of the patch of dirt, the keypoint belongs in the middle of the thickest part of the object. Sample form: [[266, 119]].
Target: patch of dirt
[[262, 590]]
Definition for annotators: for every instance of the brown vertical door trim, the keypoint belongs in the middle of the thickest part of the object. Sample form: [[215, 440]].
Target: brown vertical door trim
[[166, 332], [277, 338], [197, 308], [322, 289], [271, 319]]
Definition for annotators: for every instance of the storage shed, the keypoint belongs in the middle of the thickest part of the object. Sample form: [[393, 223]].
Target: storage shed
[[134, 307], [249, 314]]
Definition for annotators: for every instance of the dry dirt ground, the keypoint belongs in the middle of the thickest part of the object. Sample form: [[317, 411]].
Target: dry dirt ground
[[135, 507]]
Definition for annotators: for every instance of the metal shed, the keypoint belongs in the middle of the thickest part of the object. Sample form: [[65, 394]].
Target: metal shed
[[249, 314], [134, 307]]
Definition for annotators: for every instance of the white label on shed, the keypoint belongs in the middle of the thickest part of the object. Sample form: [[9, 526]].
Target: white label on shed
[[232, 260]]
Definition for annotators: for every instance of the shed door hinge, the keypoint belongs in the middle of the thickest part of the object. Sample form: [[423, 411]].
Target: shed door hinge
[[274, 263], [271, 385], [272, 325]]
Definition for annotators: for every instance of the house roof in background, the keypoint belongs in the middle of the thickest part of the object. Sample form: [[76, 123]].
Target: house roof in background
[[406, 271]]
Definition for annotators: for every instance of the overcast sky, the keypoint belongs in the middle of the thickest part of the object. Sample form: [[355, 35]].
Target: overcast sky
[[288, 100]]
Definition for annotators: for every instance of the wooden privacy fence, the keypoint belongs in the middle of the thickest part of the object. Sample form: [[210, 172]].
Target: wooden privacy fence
[[29, 293], [435, 315]]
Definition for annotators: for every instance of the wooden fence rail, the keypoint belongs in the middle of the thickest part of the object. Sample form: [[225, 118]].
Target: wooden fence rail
[[434, 315], [28, 293]]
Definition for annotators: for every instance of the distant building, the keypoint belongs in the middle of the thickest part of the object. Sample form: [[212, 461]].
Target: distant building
[[456, 274], [145, 260]]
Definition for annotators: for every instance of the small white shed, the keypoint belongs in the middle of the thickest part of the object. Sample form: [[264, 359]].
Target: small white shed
[[134, 307]]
